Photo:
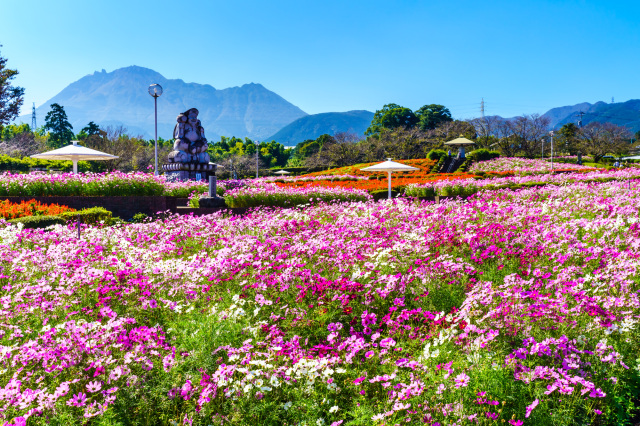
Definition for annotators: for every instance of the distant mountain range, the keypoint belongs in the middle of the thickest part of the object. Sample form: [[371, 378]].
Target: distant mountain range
[[120, 97], [312, 126], [622, 113]]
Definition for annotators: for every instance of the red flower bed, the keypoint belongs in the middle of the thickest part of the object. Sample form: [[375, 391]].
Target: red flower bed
[[9, 210]]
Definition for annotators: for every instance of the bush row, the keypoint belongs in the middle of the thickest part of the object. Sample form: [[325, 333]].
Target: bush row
[[92, 216]]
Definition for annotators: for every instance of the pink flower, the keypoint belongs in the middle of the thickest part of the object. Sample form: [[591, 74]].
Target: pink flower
[[530, 408], [461, 380], [369, 354], [94, 386]]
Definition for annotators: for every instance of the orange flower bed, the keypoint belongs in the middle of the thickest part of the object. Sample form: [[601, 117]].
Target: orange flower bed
[[375, 184], [9, 210], [423, 164]]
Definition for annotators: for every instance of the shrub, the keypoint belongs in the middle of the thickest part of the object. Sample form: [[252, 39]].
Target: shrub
[[483, 154], [91, 216], [38, 221], [436, 154], [383, 194], [139, 218]]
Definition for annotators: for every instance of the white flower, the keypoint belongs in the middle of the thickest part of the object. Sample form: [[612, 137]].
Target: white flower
[[340, 370], [287, 405], [259, 383], [320, 421], [274, 381], [334, 409], [247, 387]]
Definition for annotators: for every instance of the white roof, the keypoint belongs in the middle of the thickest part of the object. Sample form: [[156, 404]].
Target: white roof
[[389, 166], [281, 172], [74, 152]]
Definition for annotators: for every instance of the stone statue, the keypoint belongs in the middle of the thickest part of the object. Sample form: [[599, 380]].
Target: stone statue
[[190, 145]]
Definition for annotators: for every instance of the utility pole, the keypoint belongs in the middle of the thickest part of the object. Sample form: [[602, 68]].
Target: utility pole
[[33, 118], [551, 134]]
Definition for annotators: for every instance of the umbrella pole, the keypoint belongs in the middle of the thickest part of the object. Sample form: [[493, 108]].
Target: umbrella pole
[[75, 166], [389, 185]]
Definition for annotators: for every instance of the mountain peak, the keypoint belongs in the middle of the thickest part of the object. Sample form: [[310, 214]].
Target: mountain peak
[[120, 97]]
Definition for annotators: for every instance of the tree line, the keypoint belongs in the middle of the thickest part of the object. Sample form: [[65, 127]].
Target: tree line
[[398, 132]]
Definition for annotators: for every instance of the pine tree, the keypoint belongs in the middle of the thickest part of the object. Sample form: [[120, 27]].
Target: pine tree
[[60, 130]]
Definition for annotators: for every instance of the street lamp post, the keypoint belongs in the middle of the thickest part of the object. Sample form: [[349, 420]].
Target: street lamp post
[[155, 90], [551, 134]]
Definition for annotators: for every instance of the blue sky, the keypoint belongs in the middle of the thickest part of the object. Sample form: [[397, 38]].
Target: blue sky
[[520, 56]]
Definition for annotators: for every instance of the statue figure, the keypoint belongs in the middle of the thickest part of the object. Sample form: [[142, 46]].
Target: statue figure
[[190, 145]]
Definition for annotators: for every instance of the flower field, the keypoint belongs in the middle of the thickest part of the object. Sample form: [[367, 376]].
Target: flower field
[[424, 167], [467, 186], [508, 308], [521, 165]]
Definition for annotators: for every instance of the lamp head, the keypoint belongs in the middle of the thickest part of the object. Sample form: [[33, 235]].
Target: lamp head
[[155, 90]]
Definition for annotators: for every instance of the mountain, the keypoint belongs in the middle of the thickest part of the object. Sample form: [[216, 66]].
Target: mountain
[[622, 113], [120, 97], [312, 126]]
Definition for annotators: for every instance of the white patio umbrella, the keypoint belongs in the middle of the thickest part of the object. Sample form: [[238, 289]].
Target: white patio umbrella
[[75, 153], [460, 143], [389, 166], [282, 172]]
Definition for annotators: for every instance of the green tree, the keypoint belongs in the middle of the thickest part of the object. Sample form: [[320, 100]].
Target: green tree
[[12, 130], [391, 116], [430, 116], [569, 137], [61, 131], [91, 129], [11, 97]]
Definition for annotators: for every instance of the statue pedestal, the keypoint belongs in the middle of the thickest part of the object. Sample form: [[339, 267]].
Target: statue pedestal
[[210, 202], [189, 171]]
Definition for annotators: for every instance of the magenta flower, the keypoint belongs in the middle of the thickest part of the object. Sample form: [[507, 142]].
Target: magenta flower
[[530, 408]]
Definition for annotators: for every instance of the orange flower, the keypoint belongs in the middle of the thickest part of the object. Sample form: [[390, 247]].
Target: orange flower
[[9, 210]]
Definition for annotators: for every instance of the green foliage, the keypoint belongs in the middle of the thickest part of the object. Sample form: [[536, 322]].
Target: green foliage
[[91, 216], [139, 218], [61, 131], [430, 116], [436, 154], [391, 116], [39, 221], [12, 130], [25, 164], [272, 153], [11, 97], [383, 194], [483, 155]]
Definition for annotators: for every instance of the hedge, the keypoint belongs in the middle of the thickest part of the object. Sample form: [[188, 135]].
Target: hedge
[[90, 216]]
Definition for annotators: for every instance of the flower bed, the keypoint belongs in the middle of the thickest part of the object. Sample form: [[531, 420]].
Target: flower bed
[[466, 187], [424, 166], [9, 210], [520, 165], [517, 306], [82, 184], [274, 195]]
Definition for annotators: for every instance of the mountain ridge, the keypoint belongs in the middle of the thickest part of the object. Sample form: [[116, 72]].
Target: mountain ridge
[[121, 97], [314, 125]]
